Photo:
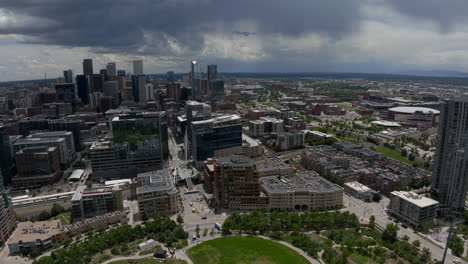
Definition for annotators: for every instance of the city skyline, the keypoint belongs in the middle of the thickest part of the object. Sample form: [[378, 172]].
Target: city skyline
[[386, 36]]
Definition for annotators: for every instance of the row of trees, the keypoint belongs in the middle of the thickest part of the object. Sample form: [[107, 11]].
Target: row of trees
[[264, 221], [162, 229]]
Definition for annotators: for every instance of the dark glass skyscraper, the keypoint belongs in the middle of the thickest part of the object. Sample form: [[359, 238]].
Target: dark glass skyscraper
[[212, 72], [88, 67], [214, 135], [450, 172], [83, 87], [6, 161]]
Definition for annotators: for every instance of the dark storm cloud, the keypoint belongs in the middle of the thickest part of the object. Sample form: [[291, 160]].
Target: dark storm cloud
[[125, 26], [444, 12]]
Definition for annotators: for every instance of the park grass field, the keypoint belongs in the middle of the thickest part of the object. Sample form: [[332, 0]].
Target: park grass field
[[245, 250], [149, 260]]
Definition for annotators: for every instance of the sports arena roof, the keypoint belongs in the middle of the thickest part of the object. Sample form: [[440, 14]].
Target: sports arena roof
[[412, 110]]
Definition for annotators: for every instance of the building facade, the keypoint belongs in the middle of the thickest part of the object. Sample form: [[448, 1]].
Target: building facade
[[37, 166], [450, 171], [157, 194], [91, 202], [215, 135], [412, 208], [303, 191], [236, 184]]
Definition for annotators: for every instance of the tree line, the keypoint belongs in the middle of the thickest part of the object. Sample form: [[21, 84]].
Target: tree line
[[162, 228]]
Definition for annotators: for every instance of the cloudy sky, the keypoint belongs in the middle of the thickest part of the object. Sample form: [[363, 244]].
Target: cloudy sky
[[48, 36]]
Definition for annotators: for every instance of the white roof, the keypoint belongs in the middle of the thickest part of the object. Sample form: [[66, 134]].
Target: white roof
[[412, 110], [357, 186], [76, 175], [118, 182], [386, 123], [415, 198]]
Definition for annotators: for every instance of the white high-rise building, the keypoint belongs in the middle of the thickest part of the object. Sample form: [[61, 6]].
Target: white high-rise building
[[137, 67], [149, 92], [111, 68]]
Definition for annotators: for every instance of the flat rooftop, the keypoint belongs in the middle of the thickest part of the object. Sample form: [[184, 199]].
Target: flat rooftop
[[415, 198], [219, 119], [272, 163], [302, 182], [357, 186], [30, 231], [159, 180], [252, 142], [84, 191]]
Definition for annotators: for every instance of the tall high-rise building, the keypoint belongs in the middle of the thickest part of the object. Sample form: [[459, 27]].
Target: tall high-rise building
[[139, 88], [68, 76], [111, 69], [195, 78], [137, 67], [450, 172], [170, 76], [65, 92], [216, 90], [122, 73], [212, 72], [83, 87], [6, 160], [88, 67]]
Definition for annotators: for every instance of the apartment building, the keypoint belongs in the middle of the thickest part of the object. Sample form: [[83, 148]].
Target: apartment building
[[157, 194]]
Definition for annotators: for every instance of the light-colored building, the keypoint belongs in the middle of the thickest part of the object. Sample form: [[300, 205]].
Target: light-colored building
[[290, 140], [137, 67], [157, 194], [91, 202], [250, 147], [412, 208], [303, 191], [273, 166], [357, 190]]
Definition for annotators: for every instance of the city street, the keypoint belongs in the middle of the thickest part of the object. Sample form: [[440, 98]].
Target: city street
[[365, 210]]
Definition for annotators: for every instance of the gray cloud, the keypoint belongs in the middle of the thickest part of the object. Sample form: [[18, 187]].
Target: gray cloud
[[446, 13], [165, 26]]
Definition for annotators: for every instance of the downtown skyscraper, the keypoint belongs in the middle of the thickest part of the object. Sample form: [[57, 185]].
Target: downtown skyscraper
[[450, 172]]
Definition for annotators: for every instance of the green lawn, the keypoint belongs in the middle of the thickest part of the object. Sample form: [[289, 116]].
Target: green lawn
[[359, 259], [245, 250], [64, 218], [390, 153], [149, 251], [150, 261]]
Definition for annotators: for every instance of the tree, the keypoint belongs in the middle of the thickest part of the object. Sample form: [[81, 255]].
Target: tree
[[44, 215], [456, 245], [144, 217], [416, 243], [205, 232], [390, 233], [376, 197], [56, 210], [197, 230], [180, 219], [372, 222], [405, 238], [426, 255], [404, 152]]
